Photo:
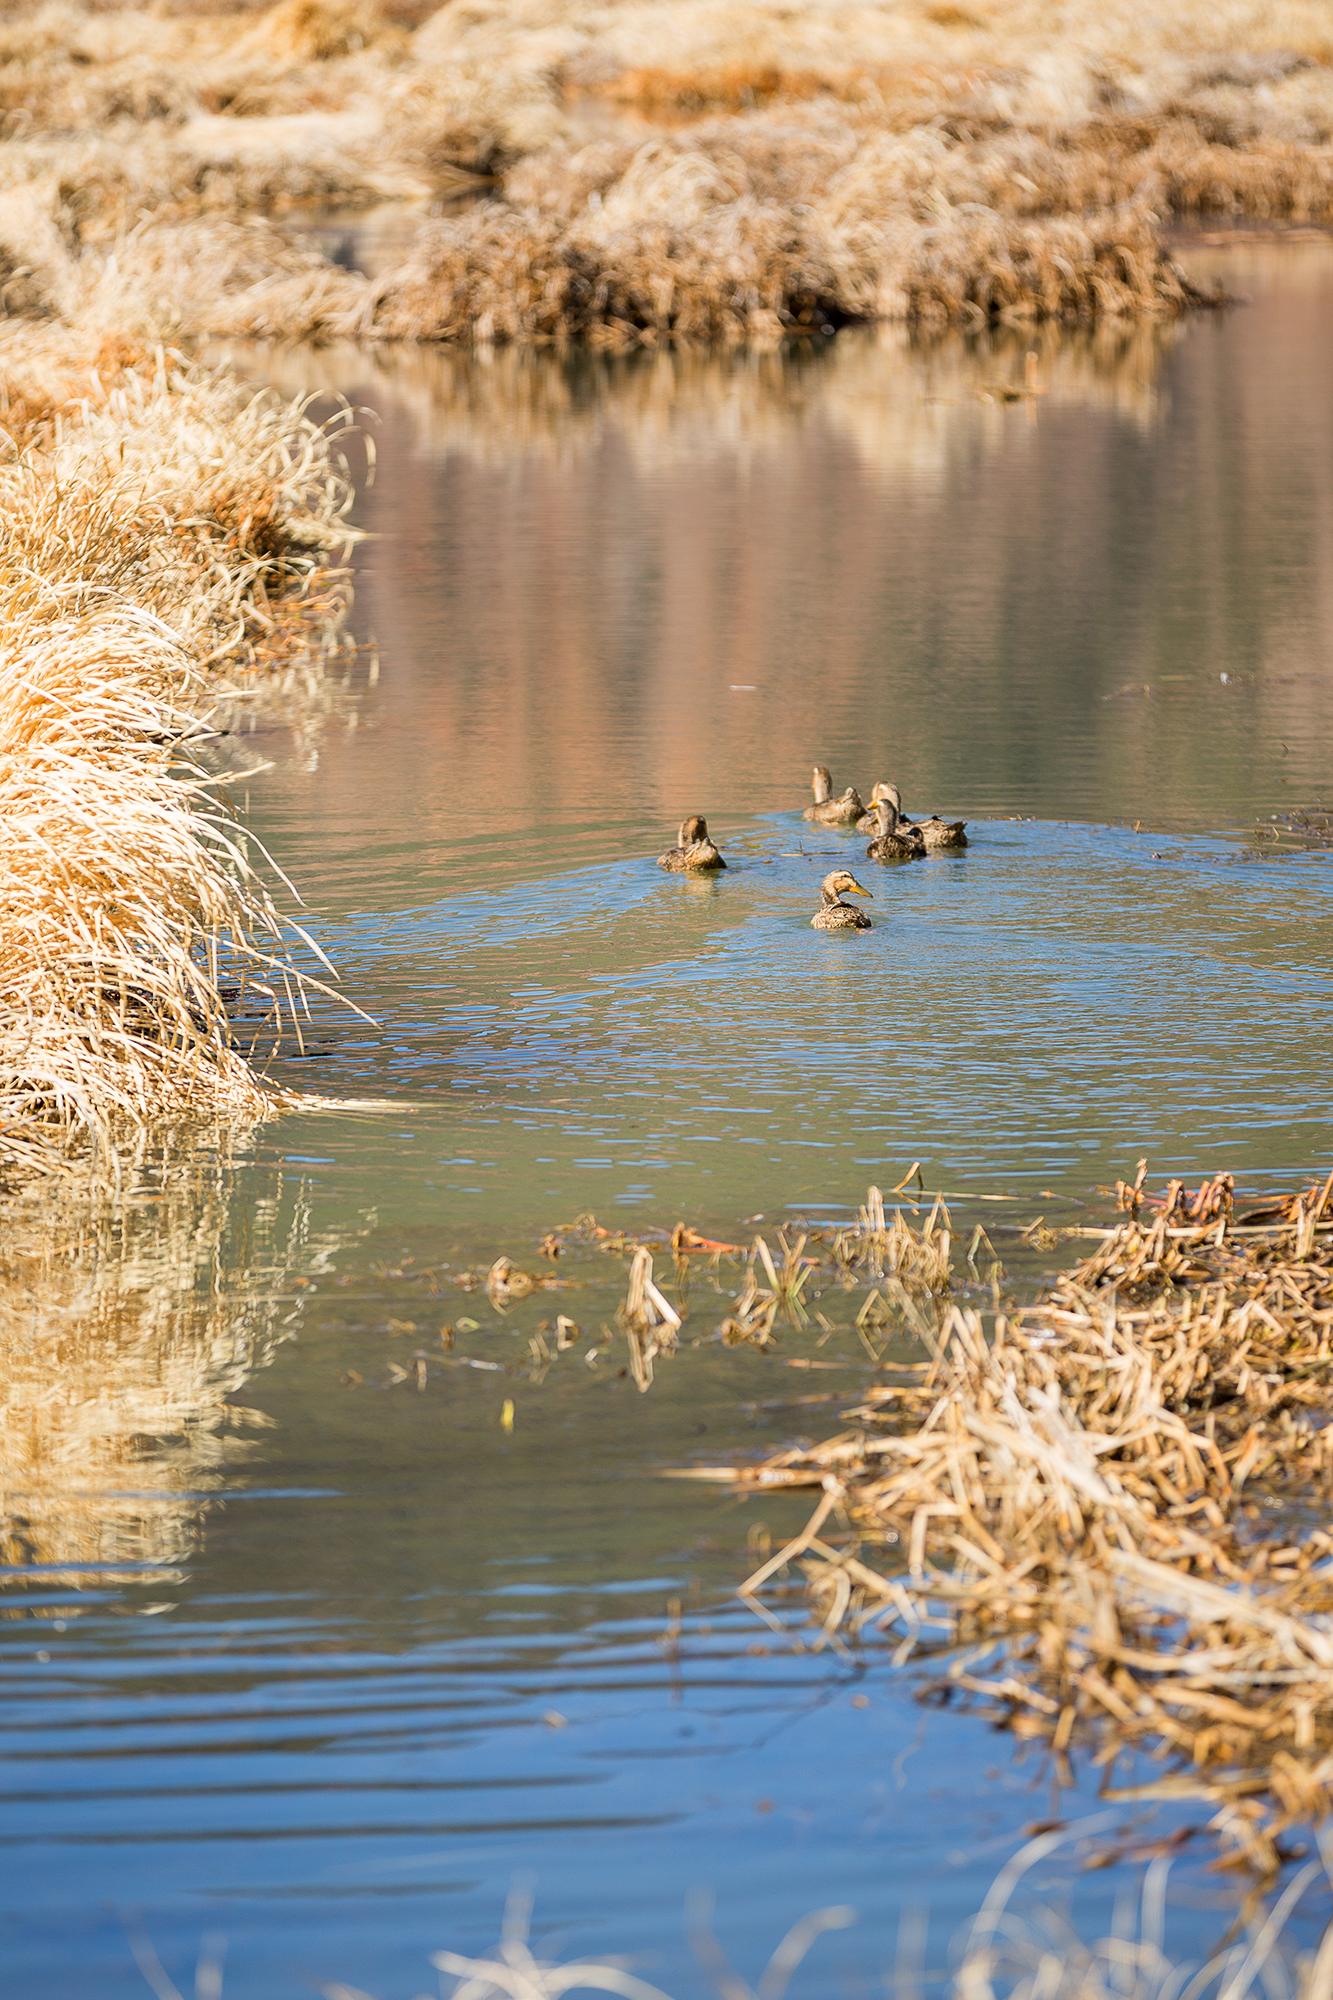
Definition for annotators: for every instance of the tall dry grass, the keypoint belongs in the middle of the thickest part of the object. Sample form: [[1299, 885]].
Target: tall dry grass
[[167, 535], [688, 169]]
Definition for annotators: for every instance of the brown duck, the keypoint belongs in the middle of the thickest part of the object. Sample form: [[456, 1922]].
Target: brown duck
[[835, 915], [695, 854], [896, 840], [828, 811], [938, 834]]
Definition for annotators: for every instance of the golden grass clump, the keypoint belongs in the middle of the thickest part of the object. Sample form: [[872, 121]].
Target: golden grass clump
[[126, 893], [1099, 1506], [740, 233], [161, 525], [176, 490]]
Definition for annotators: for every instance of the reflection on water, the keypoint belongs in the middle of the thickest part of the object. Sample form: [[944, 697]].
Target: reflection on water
[[130, 1327], [614, 591], [398, 1651]]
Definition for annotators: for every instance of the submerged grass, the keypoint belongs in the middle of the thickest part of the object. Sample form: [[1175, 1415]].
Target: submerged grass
[[168, 536], [728, 172], [1104, 1500]]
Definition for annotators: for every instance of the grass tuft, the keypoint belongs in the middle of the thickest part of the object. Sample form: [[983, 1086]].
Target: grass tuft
[[169, 537]]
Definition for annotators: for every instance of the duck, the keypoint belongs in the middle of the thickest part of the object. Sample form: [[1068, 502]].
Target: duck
[[869, 820], [938, 834], [837, 915], [696, 854], [828, 811], [896, 840]]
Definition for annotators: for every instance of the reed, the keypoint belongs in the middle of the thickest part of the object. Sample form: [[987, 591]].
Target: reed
[[1023, 1953], [1094, 1507]]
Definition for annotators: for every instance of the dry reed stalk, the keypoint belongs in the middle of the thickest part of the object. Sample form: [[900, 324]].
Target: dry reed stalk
[[758, 1307], [1088, 1495], [650, 1321]]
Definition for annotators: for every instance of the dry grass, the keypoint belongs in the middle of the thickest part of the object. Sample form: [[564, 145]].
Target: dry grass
[[1102, 1498], [168, 537], [685, 170]]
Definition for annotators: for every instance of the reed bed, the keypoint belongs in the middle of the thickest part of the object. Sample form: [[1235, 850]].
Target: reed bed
[[170, 537], [1106, 1508], [691, 171]]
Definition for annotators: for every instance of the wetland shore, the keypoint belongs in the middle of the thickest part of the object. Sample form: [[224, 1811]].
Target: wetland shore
[[628, 175]]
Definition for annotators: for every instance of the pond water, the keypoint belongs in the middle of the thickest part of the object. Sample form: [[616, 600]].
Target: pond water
[[304, 1647]]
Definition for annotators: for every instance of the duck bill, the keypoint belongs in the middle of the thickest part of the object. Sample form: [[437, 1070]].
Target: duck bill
[[857, 890]]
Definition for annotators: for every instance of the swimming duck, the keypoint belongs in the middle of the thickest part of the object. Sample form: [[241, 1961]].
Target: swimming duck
[[837, 915], [869, 820], [896, 840], [828, 811], [695, 853], [937, 833]]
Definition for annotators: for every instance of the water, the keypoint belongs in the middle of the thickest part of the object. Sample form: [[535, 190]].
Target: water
[[303, 1647]]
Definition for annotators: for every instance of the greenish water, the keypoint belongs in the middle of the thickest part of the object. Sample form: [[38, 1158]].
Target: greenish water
[[303, 1646]]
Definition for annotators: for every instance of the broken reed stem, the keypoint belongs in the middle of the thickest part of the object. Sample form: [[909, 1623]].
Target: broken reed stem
[[650, 1321], [161, 525], [1083, 1498]]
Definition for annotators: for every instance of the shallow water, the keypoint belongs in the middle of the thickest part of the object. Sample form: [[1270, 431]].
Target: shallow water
[[303, 1647]]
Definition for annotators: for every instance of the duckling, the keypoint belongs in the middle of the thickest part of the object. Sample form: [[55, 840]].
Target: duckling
[[828, 811], [937, 833], [897, 841], [696, 853], [837, 915]]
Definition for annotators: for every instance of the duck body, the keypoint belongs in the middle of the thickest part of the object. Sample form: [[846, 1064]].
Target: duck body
[[840, 917], [895, 840], [695, 853], [942, 834], [835, 915], [828, 811]]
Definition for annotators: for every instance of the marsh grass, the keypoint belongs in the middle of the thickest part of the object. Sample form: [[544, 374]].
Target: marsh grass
[[1097, 1507], [752, 170], [169, 538]]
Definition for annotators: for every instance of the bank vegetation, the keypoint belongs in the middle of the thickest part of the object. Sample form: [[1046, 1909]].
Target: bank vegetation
[[170, 538], [638, 173]]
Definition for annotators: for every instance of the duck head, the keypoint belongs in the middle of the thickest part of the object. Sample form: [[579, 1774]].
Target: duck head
[[840, 884]]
